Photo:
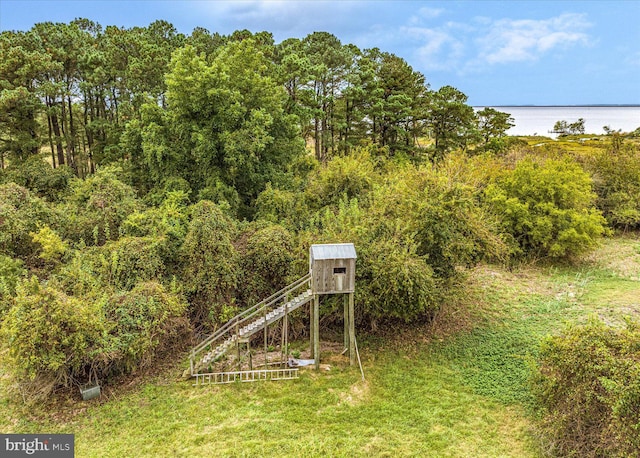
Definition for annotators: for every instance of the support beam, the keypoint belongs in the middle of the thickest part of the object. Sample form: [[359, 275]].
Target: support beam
[[346, 322], [311, 324], [352, 332], [316, 330]]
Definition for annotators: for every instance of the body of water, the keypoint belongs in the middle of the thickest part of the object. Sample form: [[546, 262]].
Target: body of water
[[540, 120]]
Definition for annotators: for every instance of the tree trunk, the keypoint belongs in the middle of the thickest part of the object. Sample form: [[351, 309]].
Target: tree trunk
[[53, 152], [55, 126]]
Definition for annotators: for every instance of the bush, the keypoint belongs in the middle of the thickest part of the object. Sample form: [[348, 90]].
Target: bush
[[350, 176], [40, 178], [52, 247], [283, 207], [210, 264], [97, 207], [140, 322], [11, 272], [168, 222], [616, 173], [49, 336], [587, 384], [547, 208], [266, 259], [441, 215], [20, 214], [395, 283]]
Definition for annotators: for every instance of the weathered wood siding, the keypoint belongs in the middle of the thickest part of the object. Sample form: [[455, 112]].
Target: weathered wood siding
[[333, 276]]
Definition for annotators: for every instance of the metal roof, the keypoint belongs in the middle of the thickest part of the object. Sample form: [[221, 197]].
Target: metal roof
[[333, 251]]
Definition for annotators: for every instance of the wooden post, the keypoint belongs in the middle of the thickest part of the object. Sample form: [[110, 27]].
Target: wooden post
[[238, 343], [352, 332], [311, 323], [285, 331], [316, 330], [346, 322], [265, 337]]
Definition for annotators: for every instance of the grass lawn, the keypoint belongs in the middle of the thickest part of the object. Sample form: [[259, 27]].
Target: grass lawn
[[458, 389]]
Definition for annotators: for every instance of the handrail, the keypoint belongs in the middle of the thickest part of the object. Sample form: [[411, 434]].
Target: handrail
[[249, 313]]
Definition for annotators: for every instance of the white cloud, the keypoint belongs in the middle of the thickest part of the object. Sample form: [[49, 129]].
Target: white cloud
[[437, 49], [469, 47], [510, 40]]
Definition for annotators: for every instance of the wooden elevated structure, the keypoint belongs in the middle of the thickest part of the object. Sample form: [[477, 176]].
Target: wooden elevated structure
[[331, 271]]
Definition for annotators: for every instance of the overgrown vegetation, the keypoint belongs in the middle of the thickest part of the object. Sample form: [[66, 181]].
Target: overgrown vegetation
[[179, 191], [588, 385]]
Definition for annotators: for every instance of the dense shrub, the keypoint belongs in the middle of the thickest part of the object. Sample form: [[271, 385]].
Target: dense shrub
[[395, 283], [20, 214], [587, 384], [97, 207], [266, 259], [40, 178], [352, 176], [52, 247], [49, 336], [441, 215], [279, 206], [140, 323], [115, 266], [210, 264], [547, 207], [11, 271], [616, 172], [168, 222]]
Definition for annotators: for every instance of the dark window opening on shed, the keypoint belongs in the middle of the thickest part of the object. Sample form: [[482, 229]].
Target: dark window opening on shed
[[339, 270]]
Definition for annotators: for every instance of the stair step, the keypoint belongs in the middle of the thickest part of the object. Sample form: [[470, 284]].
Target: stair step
[[262, 318]]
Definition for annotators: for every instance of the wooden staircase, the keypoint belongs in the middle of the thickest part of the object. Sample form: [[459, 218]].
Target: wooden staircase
[[240, 328]]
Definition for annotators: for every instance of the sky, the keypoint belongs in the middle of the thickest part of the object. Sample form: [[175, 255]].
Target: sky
[[541, 52]]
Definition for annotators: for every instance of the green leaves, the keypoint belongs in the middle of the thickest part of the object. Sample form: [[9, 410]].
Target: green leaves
[[226, 119], [586, 384], [547, 207]]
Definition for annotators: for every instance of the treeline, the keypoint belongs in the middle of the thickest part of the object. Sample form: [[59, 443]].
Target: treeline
[[171, 106]]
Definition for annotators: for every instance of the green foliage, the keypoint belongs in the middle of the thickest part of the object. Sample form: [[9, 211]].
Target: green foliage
[[11, 272], [493, 124], [348, 177], [53, 247], [546, 206], [140, 322], [48, 335], [564, 128], [452, 122], [225, 119], [587, 384], [266, 259], [210, 264], [285, 207], [394, 282], [441, 215], [97, 207], [616, 172], [129, 260], [166, 223], [40, 178], [20, 214]]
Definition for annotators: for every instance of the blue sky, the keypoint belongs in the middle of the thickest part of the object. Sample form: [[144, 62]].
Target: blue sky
[[496, 52]]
